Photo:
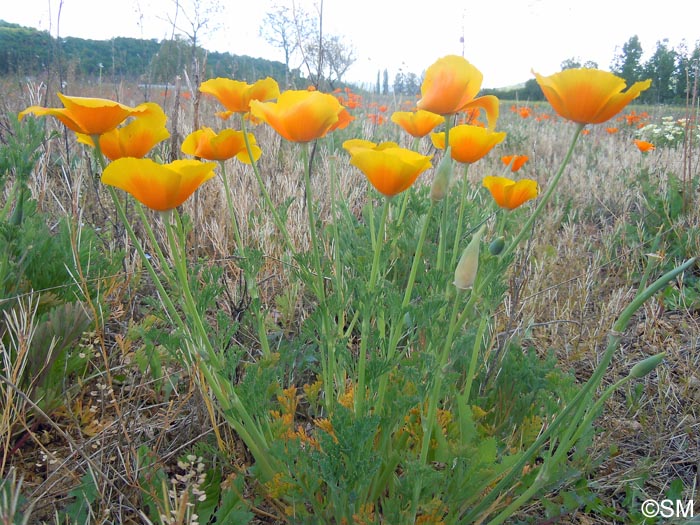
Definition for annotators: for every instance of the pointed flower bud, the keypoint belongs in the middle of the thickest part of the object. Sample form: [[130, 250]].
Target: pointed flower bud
[[465, 273], [646, 366], [443, 177]]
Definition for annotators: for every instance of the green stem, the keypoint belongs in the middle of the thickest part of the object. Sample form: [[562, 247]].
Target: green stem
[[442, 242], [165, 297], [460, 218], [364, 334], [545, 198], [397, 326], [266, 195], [231, 209], [566, 415], [430, 421], [209, 362], [250, 279]]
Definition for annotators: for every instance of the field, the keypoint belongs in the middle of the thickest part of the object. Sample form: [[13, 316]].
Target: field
[[125, 400]]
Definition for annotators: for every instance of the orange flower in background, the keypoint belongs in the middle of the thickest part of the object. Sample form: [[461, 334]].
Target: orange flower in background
[[644, 146], [509, 194], [226, 144], [135, 139], [612, 131], [390, 170], [235, 95], [515, 161], [90, 116], [469, 143], [451, 85], [160, 187], [299, 116], [344, 119], [417, 123], [525, 112], [588, 96]]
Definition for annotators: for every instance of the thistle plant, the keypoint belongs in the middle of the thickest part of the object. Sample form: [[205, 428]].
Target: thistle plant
[[398, 422]]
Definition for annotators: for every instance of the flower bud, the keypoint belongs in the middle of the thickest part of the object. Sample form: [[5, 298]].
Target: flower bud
[[497, 245], [443, 177], [465, 273], [646, 366]]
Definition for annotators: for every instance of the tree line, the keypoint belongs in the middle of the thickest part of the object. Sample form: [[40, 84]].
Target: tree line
[[674, 72], [28, 51]]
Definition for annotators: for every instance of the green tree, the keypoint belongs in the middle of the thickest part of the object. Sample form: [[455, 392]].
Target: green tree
[[575, 63], [687, 72], [385, 83], [628, 61], [661, 68]]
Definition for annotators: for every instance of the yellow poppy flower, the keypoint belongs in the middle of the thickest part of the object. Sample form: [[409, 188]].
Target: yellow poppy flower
[[299, 116], [588, 96], [390, 170], [235, 95], [417, 123], [160, 187], [228, 143], [135, 139], [469, 143], [353, 145], [451, 85], [91, 116], [509, 194]]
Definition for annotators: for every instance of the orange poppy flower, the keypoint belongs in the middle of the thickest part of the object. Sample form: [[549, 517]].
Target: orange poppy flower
[[390, 170], [135, 139], [235, 95], [344, 120], [451, 85], [515, 161], [509, 194], [612, 130], [160, 187], [469, 143], [299, 116], [226, 144], [588, 96], [644, 146], [417, 123], [90, 116]]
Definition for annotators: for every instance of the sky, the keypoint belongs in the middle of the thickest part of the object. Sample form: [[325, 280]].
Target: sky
[[505, 39]]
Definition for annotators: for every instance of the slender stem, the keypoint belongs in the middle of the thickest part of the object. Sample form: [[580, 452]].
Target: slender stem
[[545, 198], [582, 396], [231, 209], [442, 242], [164, 296], [429, 422], [460, 218], [364, 334], [250, 278], [266, 195], [397, 326]]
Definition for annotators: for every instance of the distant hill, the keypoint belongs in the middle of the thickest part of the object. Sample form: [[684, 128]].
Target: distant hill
[[28, 51]]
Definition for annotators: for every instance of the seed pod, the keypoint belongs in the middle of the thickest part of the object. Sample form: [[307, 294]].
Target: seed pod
[[465, 273]]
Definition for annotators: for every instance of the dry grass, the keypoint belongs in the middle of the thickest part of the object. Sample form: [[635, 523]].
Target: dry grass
[[566, 292]]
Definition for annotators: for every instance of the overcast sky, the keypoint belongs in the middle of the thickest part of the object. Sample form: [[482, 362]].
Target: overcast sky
[[505, 39]]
